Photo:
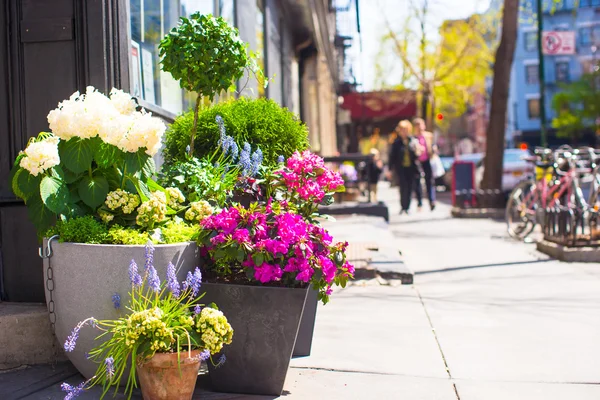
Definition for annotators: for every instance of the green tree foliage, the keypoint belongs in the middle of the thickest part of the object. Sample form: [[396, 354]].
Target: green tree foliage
[[577, 107], [260, 122]]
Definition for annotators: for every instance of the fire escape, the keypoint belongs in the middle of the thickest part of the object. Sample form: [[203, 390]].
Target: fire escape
[[347, 28]]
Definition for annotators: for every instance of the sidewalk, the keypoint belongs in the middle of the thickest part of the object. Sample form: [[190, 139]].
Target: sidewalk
[[486, 319]]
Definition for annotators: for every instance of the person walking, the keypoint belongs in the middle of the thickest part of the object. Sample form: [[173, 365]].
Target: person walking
[[403, 157], [375, 168], [427, 150]]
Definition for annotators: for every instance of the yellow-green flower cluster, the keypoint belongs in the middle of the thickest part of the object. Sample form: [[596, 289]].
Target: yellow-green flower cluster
[[148, 324], [198, 211], [215, 329], [176, 198], [105, 216], [152, 211], [120, 198]]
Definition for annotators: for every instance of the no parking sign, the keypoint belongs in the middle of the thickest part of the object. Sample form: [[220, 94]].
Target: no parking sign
[[558, 42]]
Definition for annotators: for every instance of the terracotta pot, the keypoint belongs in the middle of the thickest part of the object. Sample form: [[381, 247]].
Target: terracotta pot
[[161, 378]]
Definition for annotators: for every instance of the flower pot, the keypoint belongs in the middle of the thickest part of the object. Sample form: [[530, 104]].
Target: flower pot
[[86, 276], [307, 325], [265, 323], [163, 378]]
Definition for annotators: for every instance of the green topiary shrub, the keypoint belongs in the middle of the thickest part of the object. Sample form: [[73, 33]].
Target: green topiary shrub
[[260, 122], [80, 230]]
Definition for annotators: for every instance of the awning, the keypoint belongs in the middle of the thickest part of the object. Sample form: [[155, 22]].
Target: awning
[[381, 105]]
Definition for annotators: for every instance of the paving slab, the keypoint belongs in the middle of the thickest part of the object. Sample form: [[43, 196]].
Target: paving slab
[[485, 390], [375, 329]]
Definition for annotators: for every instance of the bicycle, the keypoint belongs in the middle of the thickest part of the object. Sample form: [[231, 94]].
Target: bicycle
[[554, 186]]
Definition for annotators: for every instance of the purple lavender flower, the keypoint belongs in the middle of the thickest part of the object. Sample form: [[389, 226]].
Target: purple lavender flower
[[197, 309], [149, 255], [153, 279], [256, 161], [72, 338], [110, 367], [134, 276], [116, 299], [245, 162], [205, 355], [234, 150], [193, 282], [221, 124], [222, 360], [172, 282], [72, 391], [280, 160]]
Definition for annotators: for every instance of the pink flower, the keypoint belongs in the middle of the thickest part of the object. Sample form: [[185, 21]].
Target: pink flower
[[350, 268], [241, 236], [328, 267], [274, 246], [220, 238], [267, 273], [305, 275]]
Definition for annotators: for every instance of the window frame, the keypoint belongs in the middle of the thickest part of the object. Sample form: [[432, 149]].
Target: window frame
[[536, 74], [567, 66], [526, 42], [529, 108]]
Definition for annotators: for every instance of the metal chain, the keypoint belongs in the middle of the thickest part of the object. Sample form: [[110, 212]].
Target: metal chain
[[49, 280]]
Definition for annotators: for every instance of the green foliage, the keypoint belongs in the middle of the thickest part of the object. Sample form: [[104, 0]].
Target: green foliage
[[260, 122], [178, 232], [200, 180], [577, 107], [120, 235], [204, 53], [80, 230]]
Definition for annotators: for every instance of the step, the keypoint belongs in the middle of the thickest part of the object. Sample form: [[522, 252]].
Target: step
[[26, 336]]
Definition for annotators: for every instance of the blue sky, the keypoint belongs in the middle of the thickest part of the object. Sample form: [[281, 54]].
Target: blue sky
[[373, 25]]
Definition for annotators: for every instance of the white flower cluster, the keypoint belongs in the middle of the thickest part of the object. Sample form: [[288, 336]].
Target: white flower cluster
[[106, 216], [215, 329], [120, 198], [113, 119], [176, 198], [41, 155], [152, 211], [198, 211]]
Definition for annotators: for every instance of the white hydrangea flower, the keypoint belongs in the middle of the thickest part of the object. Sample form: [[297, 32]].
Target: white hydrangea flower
[[175, 197], [40, 156], [122, 101]]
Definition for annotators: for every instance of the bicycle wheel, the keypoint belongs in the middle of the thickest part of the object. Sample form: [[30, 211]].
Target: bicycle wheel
[[521, 210]]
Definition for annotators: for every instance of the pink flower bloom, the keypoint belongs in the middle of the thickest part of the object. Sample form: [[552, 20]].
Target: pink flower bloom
[[328, 267], [220, 238], [350, 268], [329, 291], [241, 236], [274, 247], [267, 273], [305, 275]]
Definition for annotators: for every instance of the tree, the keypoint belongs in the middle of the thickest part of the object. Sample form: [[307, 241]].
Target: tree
[[447, 70], [577, 107], [493, 163]]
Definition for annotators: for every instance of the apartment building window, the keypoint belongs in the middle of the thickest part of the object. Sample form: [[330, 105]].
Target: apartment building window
[[562, 71], [589, 3], [585, 36], [533, 108], [531, 74], [530, 39]]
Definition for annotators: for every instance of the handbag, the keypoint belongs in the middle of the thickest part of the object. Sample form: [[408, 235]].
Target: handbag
[[437, 168]]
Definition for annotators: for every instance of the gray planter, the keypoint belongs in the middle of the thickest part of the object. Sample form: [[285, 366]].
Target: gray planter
[[307, 325], [86, 276], [265, 323]]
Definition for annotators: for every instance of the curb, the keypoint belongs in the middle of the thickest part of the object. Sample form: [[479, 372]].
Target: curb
[[495, 213], [383, 262], [569, 254]]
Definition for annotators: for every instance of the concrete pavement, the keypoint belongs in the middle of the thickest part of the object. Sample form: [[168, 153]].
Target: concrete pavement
[[487, 318]]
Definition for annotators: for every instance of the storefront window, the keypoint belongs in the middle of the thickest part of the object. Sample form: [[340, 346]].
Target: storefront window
[[150, 21]]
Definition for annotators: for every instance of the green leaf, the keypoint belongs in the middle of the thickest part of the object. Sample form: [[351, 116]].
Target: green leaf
[[93, 190], [258, 259], [107, 155], [241, 255], [135, 162], [54, 194], [39, 214], [28, 184], [76, 154], [14, 181], [149, 168]]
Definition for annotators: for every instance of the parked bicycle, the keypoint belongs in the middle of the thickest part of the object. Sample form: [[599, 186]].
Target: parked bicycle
[[556, 187]]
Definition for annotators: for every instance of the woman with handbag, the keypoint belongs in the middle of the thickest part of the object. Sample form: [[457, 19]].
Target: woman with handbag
[[428, 150]]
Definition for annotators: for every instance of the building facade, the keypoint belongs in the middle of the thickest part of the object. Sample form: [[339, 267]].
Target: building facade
[[579, 16], [50, 49]]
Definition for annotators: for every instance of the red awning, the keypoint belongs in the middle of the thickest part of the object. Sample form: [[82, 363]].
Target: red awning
[[387, 104]]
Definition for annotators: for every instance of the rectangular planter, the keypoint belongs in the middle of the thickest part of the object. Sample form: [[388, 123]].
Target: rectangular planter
[[307, 325], [265, 323]]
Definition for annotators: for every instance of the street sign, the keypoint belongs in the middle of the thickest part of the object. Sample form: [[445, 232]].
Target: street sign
[[558, 42]]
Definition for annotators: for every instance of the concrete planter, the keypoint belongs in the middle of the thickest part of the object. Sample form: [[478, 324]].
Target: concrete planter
[[307, 325], [265, 323], [86, 276]]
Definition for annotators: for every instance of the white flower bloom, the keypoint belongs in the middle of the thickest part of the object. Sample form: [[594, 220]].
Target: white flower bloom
[[39, 156], [122, 101]]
